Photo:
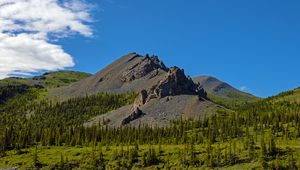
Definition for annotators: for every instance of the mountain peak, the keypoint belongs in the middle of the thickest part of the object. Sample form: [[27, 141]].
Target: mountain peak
[[145, 66], [222, 93], [134, 72]]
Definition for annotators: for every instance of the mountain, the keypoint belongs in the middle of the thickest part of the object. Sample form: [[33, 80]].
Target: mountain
[[164, 93], [135, 91], [223, 93]]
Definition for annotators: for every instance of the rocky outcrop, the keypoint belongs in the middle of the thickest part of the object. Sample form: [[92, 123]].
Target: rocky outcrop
[[141, 69], [141, 99], [174, 83], [137, 113]]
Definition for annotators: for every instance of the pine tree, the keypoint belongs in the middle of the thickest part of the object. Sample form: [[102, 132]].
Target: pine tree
[[36, 161], [193, 158], [62, 161], [272, 147], [251, 148], [263, 155]]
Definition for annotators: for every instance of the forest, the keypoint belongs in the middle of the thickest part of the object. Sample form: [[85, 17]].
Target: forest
[[262, 135]]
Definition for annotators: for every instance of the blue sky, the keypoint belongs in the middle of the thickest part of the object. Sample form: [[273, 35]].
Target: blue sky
[[247, 43]]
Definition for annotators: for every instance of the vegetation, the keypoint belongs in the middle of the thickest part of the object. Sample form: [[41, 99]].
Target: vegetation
[[38, 133], [13, 87], [233, 100], [50, 79]]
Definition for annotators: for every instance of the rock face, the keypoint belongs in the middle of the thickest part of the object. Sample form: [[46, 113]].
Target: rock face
[[137, 113], [176, 83]]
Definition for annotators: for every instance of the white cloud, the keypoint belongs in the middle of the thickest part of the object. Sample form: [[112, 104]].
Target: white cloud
[[21, 54], [27, 28], [243, 88]]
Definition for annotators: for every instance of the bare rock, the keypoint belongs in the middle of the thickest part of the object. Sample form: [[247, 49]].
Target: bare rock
[[137, 113], [141, 69], [140, 100], [175, 83]]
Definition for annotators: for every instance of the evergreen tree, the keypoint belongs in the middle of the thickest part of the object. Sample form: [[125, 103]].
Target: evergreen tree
[[36, 161], [251, 148]]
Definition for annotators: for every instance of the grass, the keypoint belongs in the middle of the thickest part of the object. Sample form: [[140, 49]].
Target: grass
[[234, 100], [61, 78], [290, 96], [48, 80], [169, 157]]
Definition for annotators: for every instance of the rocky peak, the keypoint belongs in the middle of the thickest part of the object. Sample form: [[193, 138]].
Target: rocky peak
[[174, 83], [156, 62], [145, 66]]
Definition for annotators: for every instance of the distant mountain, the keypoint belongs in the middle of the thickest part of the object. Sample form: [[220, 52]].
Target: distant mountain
[[223, 93]]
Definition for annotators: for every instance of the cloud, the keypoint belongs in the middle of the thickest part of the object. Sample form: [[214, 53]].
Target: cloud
[[21, 54], [27, 31], [243, 88]]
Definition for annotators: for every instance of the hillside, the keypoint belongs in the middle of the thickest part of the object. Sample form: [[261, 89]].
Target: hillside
[[223, 93], [261, 135], [289, 96], [49, 79], [13, 86]]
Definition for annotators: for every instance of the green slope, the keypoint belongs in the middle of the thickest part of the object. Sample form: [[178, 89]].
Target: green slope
[[289, 96], [11, 87], [50, 79], [258, 135]]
